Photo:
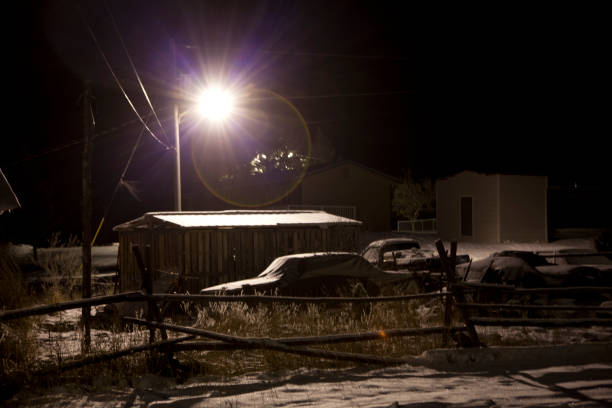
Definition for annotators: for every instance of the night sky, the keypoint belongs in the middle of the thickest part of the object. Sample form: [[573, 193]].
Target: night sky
[[432, 91]]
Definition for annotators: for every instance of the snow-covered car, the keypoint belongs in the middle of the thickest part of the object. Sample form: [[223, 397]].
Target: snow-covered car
[[580, 256], [404, 254], [529, 269], [311, 274]]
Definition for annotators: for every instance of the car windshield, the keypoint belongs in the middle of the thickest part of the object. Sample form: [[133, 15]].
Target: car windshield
[[400, 246], [588, 259], [530, 258]]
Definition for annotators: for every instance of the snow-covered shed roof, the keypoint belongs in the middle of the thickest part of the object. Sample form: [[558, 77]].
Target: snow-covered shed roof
[[237, 219]]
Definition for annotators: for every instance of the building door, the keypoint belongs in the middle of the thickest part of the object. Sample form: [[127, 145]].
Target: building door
[[466, 216]]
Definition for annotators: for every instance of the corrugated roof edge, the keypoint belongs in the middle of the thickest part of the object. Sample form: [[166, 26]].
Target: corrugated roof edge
[[150, 217]]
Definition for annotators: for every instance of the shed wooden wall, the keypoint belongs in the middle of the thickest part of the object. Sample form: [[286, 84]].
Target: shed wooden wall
[[204, 257]]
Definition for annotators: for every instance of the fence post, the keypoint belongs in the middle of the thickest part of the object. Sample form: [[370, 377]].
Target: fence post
[[449, 269], [448, 305], [152, 309], [147, 285]]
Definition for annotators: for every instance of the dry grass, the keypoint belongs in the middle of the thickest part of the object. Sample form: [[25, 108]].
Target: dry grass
[[293, 320], [17, 347]]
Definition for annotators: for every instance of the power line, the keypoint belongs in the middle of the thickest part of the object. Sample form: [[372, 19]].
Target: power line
[[93, 36], [144, 91], [347, 95], [310, 54]]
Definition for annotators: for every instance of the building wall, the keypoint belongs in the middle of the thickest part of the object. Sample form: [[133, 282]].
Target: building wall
[[523, 208], [352, 185], [197, 258], [483, 190]]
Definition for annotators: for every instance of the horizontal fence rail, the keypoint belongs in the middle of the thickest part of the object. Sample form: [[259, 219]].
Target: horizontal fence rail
[[142, 297], [271, 344], [328, 339], [557, 289], [73, 304], [428, 225], [310, 340], [533, 307], [500, 321]]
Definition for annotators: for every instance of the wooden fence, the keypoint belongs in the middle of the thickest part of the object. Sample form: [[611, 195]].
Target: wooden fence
[[460, 295]]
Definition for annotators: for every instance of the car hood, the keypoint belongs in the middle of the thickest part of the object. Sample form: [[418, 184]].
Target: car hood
[[242, 285]]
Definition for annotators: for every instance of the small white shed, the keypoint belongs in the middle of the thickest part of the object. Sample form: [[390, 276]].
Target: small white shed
[[492, 207]]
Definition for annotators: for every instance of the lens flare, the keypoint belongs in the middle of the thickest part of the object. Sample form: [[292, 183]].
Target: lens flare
[[257, 158]]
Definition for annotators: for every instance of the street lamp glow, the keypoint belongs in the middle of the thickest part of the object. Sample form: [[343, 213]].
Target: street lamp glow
[[215, 104]]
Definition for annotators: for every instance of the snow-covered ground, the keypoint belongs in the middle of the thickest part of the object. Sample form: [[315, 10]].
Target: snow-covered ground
[[576, 374], [479, 250], [561, 376]]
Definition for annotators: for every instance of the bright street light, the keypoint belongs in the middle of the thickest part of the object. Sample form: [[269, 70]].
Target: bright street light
[[214, 104]]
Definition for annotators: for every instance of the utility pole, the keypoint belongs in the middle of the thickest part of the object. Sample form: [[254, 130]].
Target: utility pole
[[86, 211]]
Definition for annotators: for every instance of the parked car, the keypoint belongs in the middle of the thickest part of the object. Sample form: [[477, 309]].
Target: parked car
[[529, 269], [580, 256], [312, 274], [405, 254]]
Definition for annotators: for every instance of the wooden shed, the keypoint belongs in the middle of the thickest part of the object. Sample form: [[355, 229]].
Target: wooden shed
[[194, 250]]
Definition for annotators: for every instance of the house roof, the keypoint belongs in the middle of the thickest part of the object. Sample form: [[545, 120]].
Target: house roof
[[481, 173], [8, 199], [236, 219], [340, 163]]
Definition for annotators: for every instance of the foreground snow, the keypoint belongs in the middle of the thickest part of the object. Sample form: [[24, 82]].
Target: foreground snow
[[557, 376]]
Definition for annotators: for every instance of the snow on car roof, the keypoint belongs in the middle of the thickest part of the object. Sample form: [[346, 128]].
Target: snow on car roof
[[388, 241], [238, 218]]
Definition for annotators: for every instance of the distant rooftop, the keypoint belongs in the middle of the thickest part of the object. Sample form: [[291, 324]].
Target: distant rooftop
[[236, 218]]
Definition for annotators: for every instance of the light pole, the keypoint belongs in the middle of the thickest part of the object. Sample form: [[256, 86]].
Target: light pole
[[215, 104], [177, 159]]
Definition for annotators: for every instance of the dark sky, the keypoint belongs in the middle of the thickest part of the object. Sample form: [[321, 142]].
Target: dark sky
[[397, 88]]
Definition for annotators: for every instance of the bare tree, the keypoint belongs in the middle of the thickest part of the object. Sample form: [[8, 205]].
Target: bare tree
[[412, 198]]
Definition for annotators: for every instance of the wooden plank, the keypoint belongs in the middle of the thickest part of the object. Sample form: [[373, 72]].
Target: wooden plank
[[200, 251], [296, 241], [255, 299], [327, 339], [207, 271], [214, 250], [246, 253], [488, 321], [270, 344], [180, 250], [256, 255], [219, 254], [187, 252], [492, 306], [73, 304]]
